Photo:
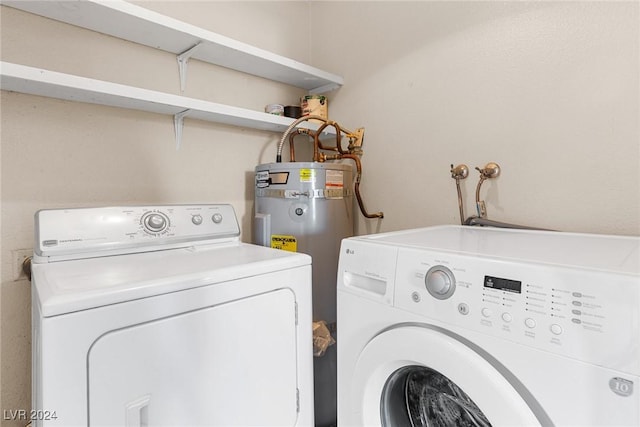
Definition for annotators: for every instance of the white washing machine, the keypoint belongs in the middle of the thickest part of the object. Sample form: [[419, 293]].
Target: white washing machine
[[470, 326], [160, 316]]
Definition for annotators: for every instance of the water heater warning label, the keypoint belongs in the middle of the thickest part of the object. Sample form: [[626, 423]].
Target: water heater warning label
[[334, 179], [286, 243], [307, 175]]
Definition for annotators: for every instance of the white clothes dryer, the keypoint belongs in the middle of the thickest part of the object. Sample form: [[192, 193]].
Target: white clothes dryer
[[160, 316], [466, 326]]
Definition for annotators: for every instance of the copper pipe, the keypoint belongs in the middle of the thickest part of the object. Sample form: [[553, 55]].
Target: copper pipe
[[321, 157], [338, 146], [306, 118], [316, 148], [299, 131], [292, 151], [317, 145], [356, 187], [322, 147], [289, 129], [338, 139]]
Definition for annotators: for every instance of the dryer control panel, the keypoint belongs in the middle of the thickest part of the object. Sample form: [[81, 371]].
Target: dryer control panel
[[89, 232]]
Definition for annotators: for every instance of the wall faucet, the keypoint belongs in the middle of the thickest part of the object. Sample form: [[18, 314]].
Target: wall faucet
[[458, 173], [490, 171]]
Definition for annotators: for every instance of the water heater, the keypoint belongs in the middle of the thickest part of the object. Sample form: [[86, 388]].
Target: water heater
[[308, 207]]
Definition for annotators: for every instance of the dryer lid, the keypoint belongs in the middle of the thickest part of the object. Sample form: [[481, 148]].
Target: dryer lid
[[68, 286]]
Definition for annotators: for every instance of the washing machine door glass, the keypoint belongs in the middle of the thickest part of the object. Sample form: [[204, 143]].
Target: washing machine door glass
[[418, 396], [421, 375]]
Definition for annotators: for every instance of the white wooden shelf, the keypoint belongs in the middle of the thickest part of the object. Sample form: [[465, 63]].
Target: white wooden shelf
[[137, 24], [52, 84]]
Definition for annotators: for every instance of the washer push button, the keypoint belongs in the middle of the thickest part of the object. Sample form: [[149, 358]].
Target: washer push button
[[463, 309], [556, 329]]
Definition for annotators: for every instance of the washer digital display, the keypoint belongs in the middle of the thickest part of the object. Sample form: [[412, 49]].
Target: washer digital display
[[503, 284]]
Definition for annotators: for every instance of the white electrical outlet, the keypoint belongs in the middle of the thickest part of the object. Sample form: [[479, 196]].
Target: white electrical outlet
[[19, 255]]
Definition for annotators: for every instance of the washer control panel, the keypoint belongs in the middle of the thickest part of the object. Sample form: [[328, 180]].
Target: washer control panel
[[85, 232], [579, 313]]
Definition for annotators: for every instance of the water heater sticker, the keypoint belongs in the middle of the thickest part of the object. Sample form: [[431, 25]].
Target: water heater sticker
[[278, 177], [307, 175], [335, 179], [286, 243], [262, 179]]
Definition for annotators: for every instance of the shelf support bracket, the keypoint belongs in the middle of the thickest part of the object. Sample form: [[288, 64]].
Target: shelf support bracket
[[183, 61], [178, 125], [326, 88]]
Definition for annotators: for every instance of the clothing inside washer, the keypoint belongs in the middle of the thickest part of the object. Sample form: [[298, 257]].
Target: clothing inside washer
[[417, 396]]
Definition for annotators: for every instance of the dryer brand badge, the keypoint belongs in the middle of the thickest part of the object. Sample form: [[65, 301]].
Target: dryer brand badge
[[621, 386]]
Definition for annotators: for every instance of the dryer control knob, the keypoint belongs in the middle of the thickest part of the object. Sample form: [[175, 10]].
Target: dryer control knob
[[155, 222], [216, 218], [440, 282]]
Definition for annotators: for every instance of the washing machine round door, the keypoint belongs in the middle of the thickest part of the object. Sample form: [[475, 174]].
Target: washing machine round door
[[422, 376]]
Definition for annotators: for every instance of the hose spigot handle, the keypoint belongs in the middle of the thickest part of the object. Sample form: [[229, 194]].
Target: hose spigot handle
[[459, 172]]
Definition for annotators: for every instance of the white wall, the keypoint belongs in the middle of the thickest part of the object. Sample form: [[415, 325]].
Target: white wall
[[65, 154], [548, 90]]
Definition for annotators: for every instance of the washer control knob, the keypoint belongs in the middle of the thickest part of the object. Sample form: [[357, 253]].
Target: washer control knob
[[216, 218], [440, 282], [196, 219]]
